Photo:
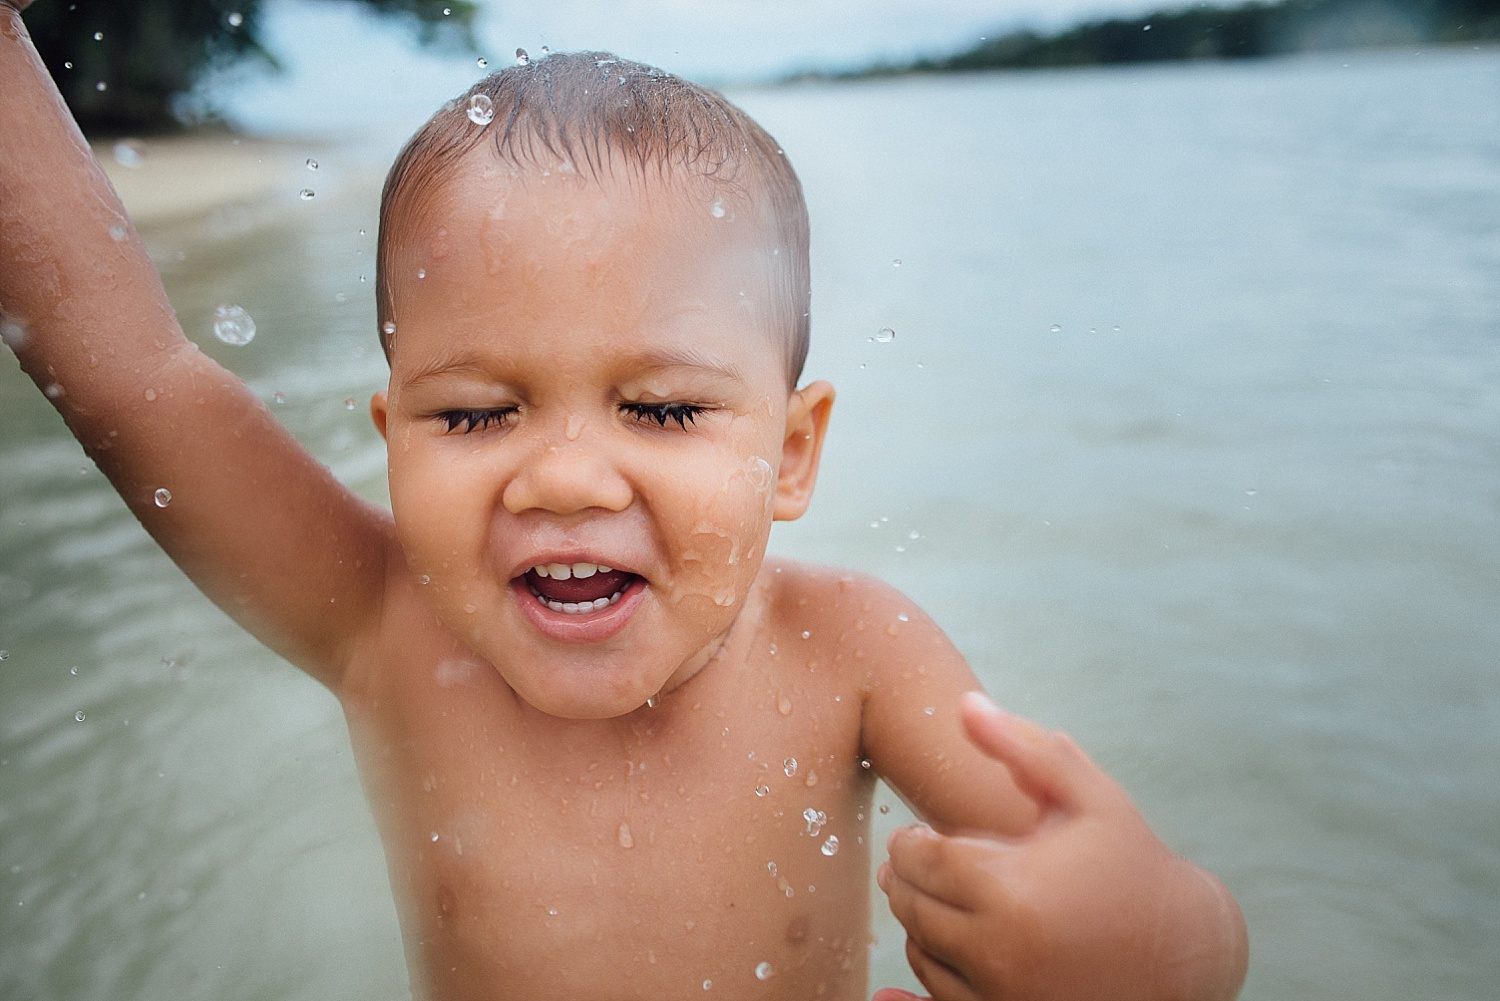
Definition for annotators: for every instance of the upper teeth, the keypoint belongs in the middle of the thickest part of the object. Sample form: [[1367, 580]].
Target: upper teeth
[[562, 571]]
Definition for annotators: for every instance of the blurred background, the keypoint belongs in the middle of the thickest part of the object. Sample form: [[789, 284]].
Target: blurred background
[[1168, 350]]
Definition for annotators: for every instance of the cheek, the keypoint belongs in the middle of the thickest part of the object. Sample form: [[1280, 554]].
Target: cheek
[[723, 529]]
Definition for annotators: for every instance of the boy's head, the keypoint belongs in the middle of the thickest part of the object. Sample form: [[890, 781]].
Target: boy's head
[[604, 118], [594, 295]]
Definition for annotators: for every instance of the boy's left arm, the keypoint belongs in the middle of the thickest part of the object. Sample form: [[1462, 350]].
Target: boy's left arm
[[1033, 876]]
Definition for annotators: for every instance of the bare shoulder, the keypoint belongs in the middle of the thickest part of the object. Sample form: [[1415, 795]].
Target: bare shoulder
[[912, 678]]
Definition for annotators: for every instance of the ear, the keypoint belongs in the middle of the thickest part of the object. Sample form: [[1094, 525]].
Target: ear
[[378, 412], [806, 424]]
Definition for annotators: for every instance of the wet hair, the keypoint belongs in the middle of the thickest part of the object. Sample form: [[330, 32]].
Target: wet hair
[[602, 113]]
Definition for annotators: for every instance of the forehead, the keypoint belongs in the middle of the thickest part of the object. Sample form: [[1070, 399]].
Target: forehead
[[630, 250]]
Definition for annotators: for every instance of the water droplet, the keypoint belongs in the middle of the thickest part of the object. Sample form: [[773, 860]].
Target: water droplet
[[806, 634], [78, 715], [708, 985], [885, 808], [434, 835], [653, 701], [815, 820], [471, 608], [1056, 328], [1146, 28], [128, 153], [522, 59], [1117, 328], [763, 971], [902, 617], [784, 705], [235, 19], [896, 263], [717, 208], [929, 711], [4, 655], [73, 671], [914, 535], [101, 86], [447, 11], [865, 764], [98, 36], [306, 194], [773, 645], [312, 164], [789, 766], [426, 579], [626, 841], [482, 62], [280, 397], [233, 325], [885, 335], [830, 847], [575, 427], [388, 328], [421, 272], [117, 232], [163, 496], [552, 911], [1093, 330], [762, 790], [1250, 493], [546, 51], [771, 868]]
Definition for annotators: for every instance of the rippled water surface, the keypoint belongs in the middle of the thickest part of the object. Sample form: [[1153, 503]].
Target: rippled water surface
[[1189, 433]]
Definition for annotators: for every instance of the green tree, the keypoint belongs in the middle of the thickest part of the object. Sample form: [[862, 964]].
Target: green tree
[[124, 66]]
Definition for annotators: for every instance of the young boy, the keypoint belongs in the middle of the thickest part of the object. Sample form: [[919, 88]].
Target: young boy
[[613, 750]]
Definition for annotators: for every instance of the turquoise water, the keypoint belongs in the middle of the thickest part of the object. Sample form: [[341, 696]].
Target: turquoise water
[[1246, 547]]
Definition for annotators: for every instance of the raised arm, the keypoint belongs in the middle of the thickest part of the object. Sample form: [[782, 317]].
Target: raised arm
[[1038, 878], [261, 527]]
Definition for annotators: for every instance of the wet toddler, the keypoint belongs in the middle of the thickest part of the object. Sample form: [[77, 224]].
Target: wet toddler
[[614, 750]]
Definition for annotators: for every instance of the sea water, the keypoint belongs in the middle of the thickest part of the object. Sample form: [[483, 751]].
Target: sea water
[[1187, 430]]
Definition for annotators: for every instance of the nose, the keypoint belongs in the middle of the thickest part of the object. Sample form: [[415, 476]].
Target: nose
[[566, 477]]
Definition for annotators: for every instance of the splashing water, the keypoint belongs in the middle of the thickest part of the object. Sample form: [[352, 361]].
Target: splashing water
[[128, 153], [306, 194], [79, 716], [1056, 328], [763, 971], [312, 164], [234, 19], [481, 109], [522, 59], [885, 335], [762, 790], [163, 496], [831, 846], [482, 62], [233, 325], [717, 209], [789, 766]]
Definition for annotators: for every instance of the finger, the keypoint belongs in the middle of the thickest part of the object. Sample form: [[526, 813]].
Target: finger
[[939, 866], [945, 983], [941, 929], [1047, 764]]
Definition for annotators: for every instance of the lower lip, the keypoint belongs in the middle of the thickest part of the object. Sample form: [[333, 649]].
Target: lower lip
[[590, 627]]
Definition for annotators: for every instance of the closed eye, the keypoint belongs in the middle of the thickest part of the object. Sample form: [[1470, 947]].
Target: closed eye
[[475, 420], [683, 413]]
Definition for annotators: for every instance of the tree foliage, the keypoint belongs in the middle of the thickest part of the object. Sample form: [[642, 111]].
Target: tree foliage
[[124, 66]]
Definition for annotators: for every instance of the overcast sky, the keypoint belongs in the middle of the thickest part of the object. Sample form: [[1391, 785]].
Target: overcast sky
[[344, 66]]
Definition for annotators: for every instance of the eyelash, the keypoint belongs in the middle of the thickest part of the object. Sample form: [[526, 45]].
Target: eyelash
[[683, 413], [477, 420]]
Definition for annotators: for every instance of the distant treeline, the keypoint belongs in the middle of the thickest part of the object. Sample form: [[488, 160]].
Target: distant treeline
[[1241, 32]]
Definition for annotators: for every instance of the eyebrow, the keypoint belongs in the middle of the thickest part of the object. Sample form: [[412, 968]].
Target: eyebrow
[[648, 359]]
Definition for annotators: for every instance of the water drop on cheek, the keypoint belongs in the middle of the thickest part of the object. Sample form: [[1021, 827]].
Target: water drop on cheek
[[575, 427]]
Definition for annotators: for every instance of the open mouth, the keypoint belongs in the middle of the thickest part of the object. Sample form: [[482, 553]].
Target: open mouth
[[577, 588]]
